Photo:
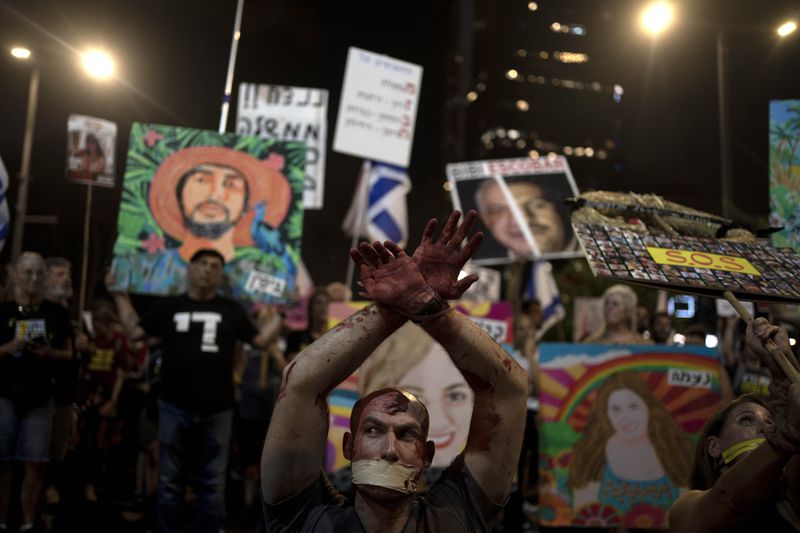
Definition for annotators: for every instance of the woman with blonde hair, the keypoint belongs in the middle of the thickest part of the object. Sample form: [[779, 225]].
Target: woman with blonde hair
[[632, 450], [619, 315]]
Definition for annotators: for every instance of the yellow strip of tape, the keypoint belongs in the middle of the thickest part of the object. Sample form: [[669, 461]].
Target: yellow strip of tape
[[689, 258]]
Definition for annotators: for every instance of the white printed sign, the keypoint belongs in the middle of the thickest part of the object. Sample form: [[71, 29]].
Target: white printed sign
[[680, 377], [487, 288], [91, 147], [289, 114], [378, 108]]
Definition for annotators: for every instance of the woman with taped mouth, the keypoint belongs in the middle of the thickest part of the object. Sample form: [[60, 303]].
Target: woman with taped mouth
[[745, 473]]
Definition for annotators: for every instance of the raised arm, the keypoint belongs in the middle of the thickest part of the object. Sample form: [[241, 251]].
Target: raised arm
[[296, 438], [127, 314], [499, 383]]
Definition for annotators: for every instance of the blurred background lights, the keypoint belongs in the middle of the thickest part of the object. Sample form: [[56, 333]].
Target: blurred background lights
[[512, 74], [20, 52], [657, 17], [786, 28], [533, 6], [98, 64]]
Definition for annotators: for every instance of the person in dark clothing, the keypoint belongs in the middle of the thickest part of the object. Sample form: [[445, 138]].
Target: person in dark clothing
[[34, 333], [199, 331]]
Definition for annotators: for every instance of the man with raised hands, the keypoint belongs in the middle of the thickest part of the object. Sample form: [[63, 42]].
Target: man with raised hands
[[387, 442]]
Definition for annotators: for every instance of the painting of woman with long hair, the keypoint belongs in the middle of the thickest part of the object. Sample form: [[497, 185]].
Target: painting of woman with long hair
[[632, 450]]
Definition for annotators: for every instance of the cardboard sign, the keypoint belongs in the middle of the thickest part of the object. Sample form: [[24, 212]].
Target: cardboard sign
[[520, 206], [699, 265], [289, 114], [378, 108], [597, 399], [91, 148], [188, 189]]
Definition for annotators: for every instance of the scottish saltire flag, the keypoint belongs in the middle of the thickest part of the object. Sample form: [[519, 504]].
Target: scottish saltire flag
[[542, 287], [386, 214], [5, 219]]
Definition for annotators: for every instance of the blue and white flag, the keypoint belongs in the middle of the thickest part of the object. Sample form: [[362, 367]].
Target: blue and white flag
[[386, 214], [542, 287], [4, 214]]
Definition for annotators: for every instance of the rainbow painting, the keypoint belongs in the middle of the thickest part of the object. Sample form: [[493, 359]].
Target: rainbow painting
[[618, 424]]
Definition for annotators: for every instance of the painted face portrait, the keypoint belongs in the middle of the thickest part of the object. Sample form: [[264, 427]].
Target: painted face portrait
[[440, 386], [627, 414], [212, 198]]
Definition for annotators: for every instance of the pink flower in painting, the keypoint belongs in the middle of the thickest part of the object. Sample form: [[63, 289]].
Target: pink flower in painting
[[152, 137], [276, 161], [153, 244]]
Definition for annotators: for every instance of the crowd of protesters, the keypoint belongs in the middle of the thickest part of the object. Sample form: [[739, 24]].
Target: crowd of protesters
[[79, 427]]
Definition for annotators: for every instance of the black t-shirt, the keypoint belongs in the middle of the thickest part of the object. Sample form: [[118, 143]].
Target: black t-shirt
[[198, 340], [24, 376], [454, 503]]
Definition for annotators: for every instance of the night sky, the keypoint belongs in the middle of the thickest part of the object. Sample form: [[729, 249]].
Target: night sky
[[172, 59]]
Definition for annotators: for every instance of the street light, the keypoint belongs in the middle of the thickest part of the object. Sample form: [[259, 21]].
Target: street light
[[98, 64], [20, 52], [657, 17], [24, 54], [786, 28]]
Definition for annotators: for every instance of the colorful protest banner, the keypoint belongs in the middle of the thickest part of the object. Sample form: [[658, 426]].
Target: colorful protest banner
[[618, 428], [411, 360], [784, 171], [91, 148], [188, 189], [521, 207], [289, 113], [378, 108]]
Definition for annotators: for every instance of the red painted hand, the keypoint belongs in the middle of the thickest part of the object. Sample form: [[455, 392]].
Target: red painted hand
[[390, 277], [441, 261]]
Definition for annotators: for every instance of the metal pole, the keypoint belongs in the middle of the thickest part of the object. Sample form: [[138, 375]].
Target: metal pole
[[25, 169], [726, 185], [366, 167], [226, 98], [85, 260]]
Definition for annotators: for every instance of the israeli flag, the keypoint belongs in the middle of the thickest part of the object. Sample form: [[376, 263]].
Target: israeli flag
[[385, 216], [5, 219], [543, 288]]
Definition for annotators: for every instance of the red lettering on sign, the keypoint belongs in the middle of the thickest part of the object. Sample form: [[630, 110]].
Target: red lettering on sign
[[696, 257], [731, 263], [675, 255]]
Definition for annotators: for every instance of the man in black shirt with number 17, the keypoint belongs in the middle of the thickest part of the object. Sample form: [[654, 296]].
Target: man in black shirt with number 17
[[198, 332]]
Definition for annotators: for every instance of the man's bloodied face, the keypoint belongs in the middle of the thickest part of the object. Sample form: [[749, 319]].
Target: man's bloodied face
[[212, 198]]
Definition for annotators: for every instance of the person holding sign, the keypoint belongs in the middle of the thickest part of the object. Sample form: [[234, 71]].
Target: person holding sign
[[387, 442], [746, 474]]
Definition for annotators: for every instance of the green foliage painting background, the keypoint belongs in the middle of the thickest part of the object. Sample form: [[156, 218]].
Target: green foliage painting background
[[784, 171], [141, 240]]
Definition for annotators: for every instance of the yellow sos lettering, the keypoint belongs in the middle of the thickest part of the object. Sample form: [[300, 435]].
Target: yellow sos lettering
[[689, 258]]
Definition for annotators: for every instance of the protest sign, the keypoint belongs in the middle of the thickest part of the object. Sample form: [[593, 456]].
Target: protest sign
[[618, 428], [189, 189], [289, 113], [91, 147], [784, 171], [702, 265], [487, 288], [521, 207], [378, 108]]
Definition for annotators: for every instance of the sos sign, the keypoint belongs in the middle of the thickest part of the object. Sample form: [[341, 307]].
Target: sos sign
[[688, 258]]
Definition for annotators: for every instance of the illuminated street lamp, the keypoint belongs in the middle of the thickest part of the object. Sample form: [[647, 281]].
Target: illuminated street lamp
[[98, 64], [657, 17], [787, 28], [20, 52]]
